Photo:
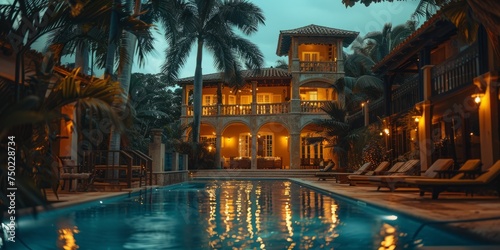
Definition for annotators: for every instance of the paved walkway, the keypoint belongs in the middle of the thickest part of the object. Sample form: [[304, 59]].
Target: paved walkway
[[449, 206]]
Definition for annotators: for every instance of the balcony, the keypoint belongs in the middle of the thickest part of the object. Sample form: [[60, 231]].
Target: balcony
[[243, 109], [314, 66], [455, 72], [312, 106], [405, 97]]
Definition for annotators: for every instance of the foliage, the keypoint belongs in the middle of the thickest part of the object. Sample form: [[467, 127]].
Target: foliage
[[152, 105], [337, 132], [211, 25], [88, 24], [35, 123], [204, 158]]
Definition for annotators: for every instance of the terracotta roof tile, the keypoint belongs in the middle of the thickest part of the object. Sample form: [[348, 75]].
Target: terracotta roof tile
[[285, 36], [265, 73]]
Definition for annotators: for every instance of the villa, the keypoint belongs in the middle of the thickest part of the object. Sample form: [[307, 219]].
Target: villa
[[267, 123], [449, 87]]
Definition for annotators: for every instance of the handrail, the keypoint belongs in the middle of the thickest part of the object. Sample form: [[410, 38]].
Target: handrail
[[101, 157], [149, 164]]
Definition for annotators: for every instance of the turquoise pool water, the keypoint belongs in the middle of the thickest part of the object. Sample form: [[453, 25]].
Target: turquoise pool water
[[227, 214]]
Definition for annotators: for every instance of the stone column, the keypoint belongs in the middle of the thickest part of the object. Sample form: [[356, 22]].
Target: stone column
[[254, 98], [294, 145], [340, 58], [218, 146], [253, 158], [488, 118], [157, 150], [425, 135], [425, 122]]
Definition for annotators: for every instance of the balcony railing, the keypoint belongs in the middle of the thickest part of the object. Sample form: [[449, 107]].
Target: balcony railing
[[312, 106], [273, 108], [306, 66], [406, 95], [245, 109], [456, 72]]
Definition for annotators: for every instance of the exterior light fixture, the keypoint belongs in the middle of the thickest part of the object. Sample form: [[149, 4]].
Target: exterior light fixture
[[477, 97], [386, 131]]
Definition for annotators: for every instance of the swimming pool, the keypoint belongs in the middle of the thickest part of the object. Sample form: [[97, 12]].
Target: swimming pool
[[227, 214]]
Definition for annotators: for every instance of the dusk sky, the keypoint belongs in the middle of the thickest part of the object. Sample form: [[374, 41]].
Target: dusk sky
[[291, 14]]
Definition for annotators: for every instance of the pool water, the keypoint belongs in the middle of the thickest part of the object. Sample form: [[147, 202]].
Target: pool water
[[227, 214]]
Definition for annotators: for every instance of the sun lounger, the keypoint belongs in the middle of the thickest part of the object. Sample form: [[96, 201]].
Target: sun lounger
[[336, 175], [405, 168], [357, 179], [489, 179], [397, 180]]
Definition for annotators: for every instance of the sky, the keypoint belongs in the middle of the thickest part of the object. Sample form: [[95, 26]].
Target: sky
[[291, 14]]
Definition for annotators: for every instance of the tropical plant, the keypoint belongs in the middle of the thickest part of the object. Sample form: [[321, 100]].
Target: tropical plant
[[336, 130], [212, 25], [152, 105], [467, 15], [35, 121]]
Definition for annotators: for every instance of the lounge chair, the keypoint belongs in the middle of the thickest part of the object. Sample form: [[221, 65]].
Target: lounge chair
[[404, 168], [397, 180], [356, 179], [323, 175], [489, 179]]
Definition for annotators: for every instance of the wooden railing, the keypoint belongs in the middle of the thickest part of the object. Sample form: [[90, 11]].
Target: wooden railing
[[117, 166], [306, 66], [455, 72], [312, 106], [376, 110], [405, 97], [141, 159]]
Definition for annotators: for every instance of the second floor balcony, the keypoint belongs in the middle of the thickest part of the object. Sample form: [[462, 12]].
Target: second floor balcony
[[317, 66], [306, 106]]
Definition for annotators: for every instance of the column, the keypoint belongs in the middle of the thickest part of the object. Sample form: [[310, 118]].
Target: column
[[254, 97], [253, 159], [425, 135], [183, 101], [425, 122], [157, 151], [218, 145], [340, 58], [294, 142], [488, 119]]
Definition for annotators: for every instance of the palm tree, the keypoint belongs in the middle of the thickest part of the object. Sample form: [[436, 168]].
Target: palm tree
[[34, 122], [211, 24], [467, 15], [336, 131]]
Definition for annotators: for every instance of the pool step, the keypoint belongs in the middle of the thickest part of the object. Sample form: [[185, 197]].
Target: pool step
[[251, 173]]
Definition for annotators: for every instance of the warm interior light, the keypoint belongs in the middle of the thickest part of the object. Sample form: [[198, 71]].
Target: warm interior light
[[417, 119]]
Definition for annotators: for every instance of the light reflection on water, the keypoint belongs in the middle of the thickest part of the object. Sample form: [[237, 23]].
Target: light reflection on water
[[226, 215]]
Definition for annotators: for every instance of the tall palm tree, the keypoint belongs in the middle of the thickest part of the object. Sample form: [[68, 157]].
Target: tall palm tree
[[359, 84], [211, 24]]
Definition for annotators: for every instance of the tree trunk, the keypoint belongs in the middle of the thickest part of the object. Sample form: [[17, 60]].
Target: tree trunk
[[197, 98], [113, 32], [124, 76], [197, 95]]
